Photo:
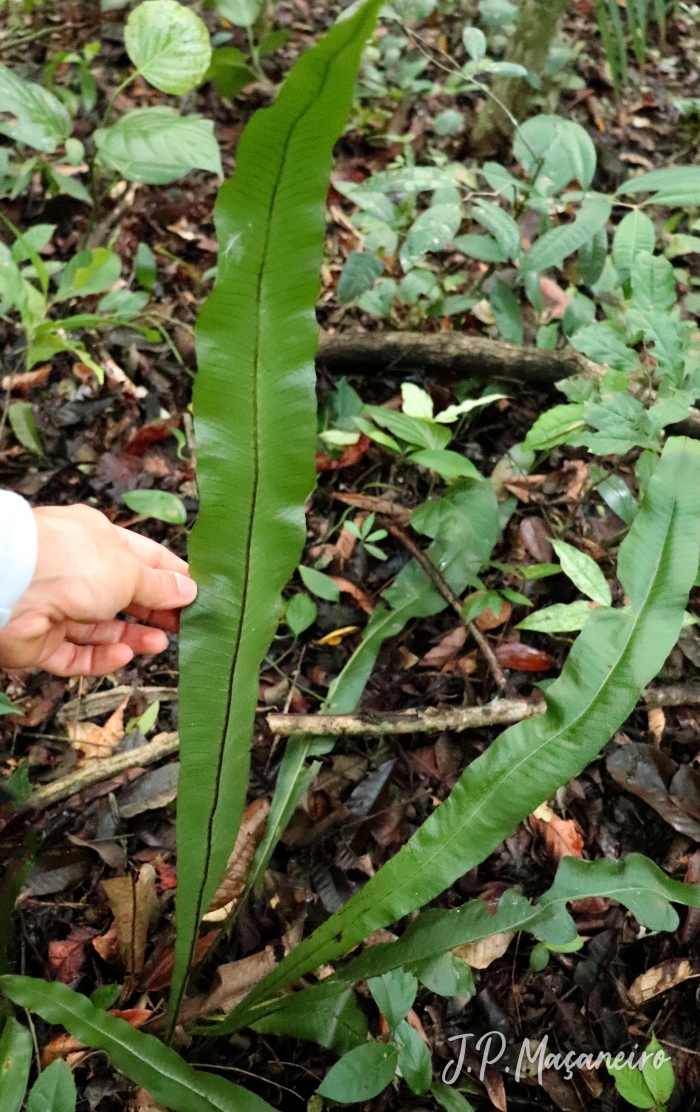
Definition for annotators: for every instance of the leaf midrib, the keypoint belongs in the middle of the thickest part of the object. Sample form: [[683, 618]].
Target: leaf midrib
[[256, 447]]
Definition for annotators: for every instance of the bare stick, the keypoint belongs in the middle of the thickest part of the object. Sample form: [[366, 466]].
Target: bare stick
[[431, 721], [447, 593], [448, 355], [94, 771], [434, 720]]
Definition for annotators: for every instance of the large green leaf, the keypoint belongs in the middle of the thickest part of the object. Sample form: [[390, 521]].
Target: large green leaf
[[144, 1059], [15, 1062], [168, 44], [681, 181], [255, 421], [554, 246], [612, 660], [156, 145], [327, 1014], [31, 114], [633, 234], [556, 150]]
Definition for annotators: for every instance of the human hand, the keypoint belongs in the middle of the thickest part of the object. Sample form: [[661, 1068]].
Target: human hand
[[87, 572]]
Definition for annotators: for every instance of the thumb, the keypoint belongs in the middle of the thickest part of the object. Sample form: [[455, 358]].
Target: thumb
[[163, 590]]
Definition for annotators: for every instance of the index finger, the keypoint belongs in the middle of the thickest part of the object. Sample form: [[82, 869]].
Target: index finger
[[151, 553]]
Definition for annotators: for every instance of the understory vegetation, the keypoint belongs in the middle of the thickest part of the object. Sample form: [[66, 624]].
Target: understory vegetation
[[386, 318]]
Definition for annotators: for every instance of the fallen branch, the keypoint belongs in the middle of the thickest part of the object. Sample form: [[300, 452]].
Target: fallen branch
[[434, 720], [162, 746], [430, 721], [449, 354], [104, 702]]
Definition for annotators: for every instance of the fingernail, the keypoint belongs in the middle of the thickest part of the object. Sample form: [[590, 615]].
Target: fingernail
[[187, 588]]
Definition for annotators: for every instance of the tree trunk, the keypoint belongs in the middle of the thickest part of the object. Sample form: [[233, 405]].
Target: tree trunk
[[538, 24]]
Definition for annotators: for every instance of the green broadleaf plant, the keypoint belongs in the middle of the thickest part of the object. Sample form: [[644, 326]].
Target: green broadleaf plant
[[255, 423], [144, 1059], [616, 655]]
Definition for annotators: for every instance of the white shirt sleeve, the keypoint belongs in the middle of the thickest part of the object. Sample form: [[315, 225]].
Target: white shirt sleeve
[[18, 551]]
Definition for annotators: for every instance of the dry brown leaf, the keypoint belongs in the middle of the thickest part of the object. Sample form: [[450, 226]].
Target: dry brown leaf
[[481, 954], [555, 298], [237, 978], [495, 1089], [107, 944], [132, 906], [578, 479], [660, 979], [488, 620], [562, 837], [525, 487], [446, 649], [60, 1047], [144, 1102], [656, 721], [94, 741], [248, 839], [345, 545], [27, 379], [348, 588]]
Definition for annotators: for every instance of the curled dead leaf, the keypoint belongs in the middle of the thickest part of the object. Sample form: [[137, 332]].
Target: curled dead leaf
[[348, 588], [561, 837], [481, 954], [248, 839], [660, 979], [94, 741]]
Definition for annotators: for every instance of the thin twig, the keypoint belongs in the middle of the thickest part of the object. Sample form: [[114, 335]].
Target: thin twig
[[447, 593]]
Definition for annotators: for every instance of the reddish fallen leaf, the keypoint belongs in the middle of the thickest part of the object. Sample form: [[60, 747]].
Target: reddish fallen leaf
[[160, 976], [107, 945], [60, 1047], [67, 957], [413, 1021], [135, 1017], [348, 588], [526, 487], [151, 433], [561, 837], [488, 620], [556, 299], [446, 649], [27, 379], [351, 455], [523, 658]]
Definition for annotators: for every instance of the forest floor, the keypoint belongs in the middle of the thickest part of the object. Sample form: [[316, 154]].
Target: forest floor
[[372, 793]]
